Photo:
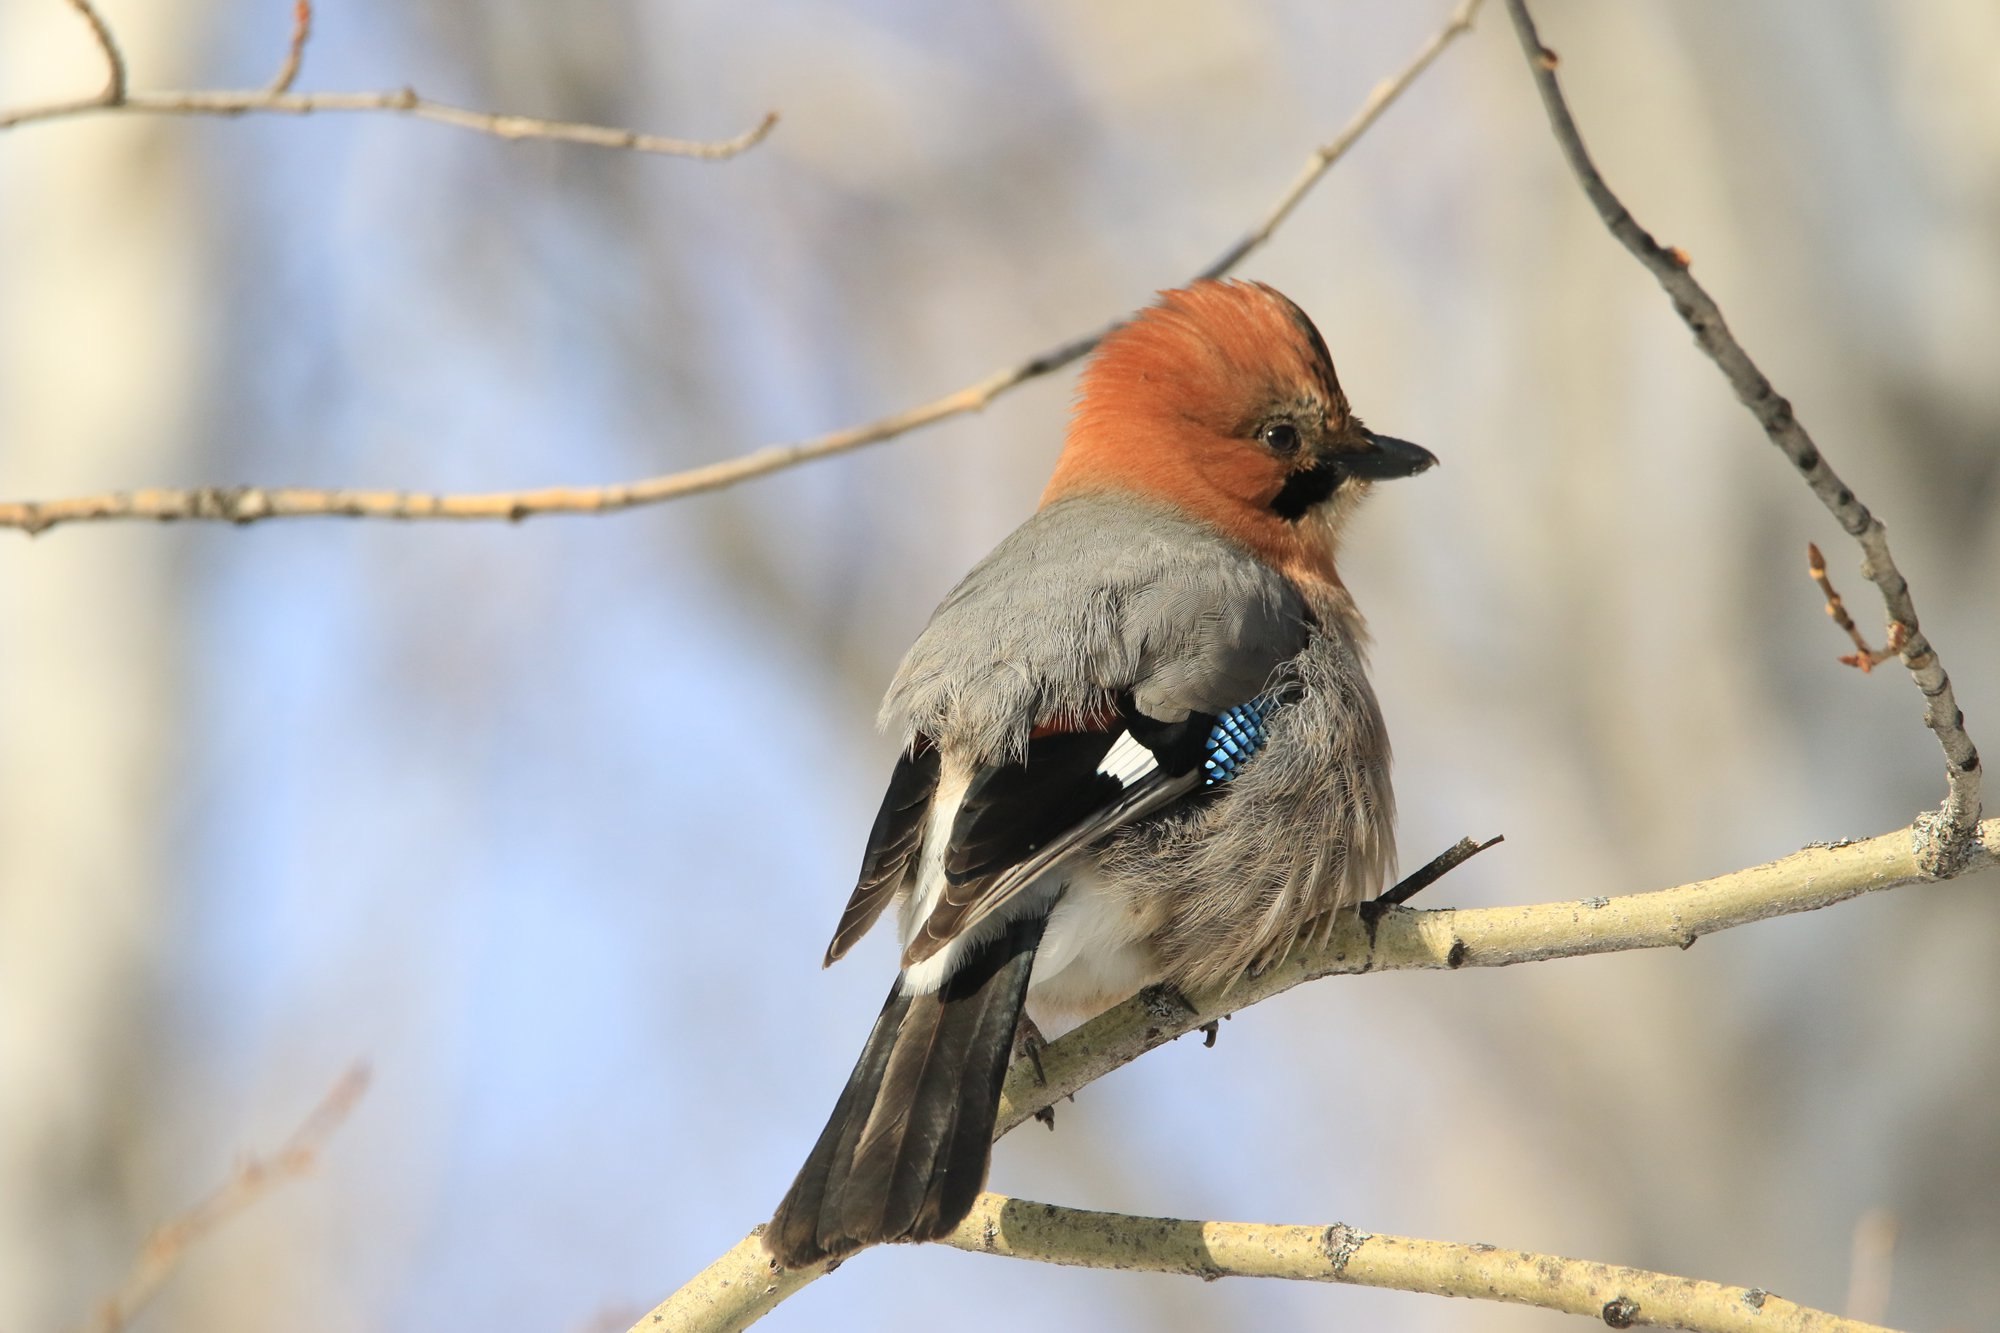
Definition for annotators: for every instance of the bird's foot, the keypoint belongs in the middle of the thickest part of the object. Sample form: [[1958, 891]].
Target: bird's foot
[[1029, 1042], [1167, 1002], [1371, 913]]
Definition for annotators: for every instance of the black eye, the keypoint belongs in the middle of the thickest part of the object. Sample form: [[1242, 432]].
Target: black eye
[[1281, 437]]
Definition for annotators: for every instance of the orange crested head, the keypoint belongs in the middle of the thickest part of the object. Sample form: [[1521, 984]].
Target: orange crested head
[[1221, 400]]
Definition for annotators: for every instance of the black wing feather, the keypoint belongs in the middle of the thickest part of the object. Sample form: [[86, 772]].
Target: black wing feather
[[892, 844], [1019, 818], [1013, 810]]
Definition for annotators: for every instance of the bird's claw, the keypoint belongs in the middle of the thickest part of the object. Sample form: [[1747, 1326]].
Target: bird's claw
[[1167, 1002], [1029, 1042]]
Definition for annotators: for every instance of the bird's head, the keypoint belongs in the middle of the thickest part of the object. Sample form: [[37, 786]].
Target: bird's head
[[1220, 399]]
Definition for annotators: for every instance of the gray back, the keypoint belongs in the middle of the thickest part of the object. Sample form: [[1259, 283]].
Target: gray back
[[1093, 595]]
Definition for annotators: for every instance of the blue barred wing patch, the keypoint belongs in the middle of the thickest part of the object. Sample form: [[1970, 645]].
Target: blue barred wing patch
[[1238, 734]]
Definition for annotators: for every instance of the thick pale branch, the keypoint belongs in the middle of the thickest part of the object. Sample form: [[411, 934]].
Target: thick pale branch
[[251, 504], [1620, 1297], [1951, 834], [742, 1285], [1498, 937]]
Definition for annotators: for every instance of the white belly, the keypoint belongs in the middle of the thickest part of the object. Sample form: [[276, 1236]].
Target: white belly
[[1095, 952]]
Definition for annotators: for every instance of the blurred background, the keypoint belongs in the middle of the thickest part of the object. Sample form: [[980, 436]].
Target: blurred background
[[549, 823]]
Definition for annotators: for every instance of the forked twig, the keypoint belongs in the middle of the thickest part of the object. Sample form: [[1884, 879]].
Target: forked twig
[[278, 98], [1948, 835]]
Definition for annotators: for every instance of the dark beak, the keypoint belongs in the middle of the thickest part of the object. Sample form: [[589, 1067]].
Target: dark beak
[[1386, 457]]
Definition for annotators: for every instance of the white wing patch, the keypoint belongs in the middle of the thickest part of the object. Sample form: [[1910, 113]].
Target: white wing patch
[[1128, 761]]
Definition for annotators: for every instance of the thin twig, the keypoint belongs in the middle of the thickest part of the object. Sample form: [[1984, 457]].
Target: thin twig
[[251, 504], [114, 61], [1863, 657], [252, 1179], [406, 101], [295, 52], [1952, 831], [1323, 158], [742, 1286], [1618, 1296], [1446, 861], [277, 98]]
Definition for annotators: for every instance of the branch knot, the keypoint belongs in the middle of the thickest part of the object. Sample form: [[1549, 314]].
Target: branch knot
[[1943, 844], [1340, 1242]]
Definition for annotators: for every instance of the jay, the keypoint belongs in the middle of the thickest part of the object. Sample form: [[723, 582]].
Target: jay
[[1139, 746]]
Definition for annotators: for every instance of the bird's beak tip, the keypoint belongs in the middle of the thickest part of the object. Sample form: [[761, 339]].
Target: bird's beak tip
[[1390, 457]]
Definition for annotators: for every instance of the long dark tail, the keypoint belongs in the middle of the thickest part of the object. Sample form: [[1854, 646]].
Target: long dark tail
[[905, 1152]]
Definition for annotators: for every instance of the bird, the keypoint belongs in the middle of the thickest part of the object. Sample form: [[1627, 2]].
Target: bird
[[1138, 746]]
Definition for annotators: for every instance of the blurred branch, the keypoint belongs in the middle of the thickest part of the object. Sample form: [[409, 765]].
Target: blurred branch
[[251, 504], [1873, 1265], [295, 50], [741, 1286], [1323, 158], [114, 61], [253, 1178], [1950, 834], [278, 98], [1620, 1297]]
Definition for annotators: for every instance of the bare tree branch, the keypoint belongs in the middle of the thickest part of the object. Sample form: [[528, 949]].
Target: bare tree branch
[[1620, 1297], [1379, 99], [409, 102], [1872, 1266], [251, 504], [1951, 834], [277, 98], [253, 1178], [741, 1286]]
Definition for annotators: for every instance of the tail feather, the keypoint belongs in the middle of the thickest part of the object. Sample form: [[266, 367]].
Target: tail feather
[[812, 1205], [965, 1155], [914, 1110], [905, 1152]]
